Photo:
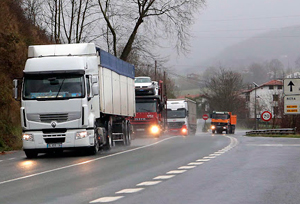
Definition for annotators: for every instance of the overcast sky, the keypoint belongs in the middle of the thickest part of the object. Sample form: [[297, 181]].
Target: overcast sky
[[226, 22]]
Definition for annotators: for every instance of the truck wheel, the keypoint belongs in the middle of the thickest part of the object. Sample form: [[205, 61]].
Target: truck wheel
[[31, 154], [94, 149], [124, 131], [213, 131], [128, 135], [109, 140]]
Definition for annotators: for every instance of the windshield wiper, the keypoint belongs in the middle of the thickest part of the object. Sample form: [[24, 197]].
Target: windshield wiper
[[60, 87]]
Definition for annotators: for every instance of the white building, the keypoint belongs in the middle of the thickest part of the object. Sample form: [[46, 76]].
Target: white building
[[267, 97]]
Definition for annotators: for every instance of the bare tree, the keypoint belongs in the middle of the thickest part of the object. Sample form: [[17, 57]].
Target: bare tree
[[161, 19], [223, 91], [33, 9]]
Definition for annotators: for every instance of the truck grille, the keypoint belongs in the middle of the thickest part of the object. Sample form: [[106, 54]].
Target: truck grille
[[58, 117], [175, 124], [47, 118], [54, 138]]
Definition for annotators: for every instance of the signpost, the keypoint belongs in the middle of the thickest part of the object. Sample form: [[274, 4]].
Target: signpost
[[291, 89], [266, 116]]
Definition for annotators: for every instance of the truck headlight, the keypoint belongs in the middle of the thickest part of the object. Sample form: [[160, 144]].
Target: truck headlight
[[28, 137], [82, 134], [154, 129], [213, 127]]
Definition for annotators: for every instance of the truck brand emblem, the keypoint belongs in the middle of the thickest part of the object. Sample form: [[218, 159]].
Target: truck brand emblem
[[53, 124]]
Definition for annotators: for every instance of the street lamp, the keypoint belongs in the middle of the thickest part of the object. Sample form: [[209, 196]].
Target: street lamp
[[255, 86]]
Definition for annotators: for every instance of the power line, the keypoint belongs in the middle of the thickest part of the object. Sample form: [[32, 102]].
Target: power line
[[253, 18]]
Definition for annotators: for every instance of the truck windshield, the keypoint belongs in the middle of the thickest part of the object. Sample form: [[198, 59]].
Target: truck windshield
[[145, 107], [49, 87], [220, 116], [179, 113]]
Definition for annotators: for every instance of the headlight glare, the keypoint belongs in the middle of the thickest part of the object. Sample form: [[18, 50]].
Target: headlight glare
[[81, 135], [28, 137], [154, 129]]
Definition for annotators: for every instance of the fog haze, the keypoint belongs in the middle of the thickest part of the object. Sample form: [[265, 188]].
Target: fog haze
[[223, 23]]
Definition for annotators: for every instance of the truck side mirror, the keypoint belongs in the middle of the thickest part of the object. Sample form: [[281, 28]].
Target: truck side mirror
[[15, 89], [95, 89]]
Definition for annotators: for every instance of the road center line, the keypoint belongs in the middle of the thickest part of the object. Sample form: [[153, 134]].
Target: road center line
[[85, 162]]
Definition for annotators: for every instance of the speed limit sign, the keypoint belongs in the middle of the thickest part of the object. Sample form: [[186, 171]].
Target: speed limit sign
[[266, 116]]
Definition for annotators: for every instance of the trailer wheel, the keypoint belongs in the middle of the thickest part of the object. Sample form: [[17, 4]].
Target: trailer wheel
[[31, 154]]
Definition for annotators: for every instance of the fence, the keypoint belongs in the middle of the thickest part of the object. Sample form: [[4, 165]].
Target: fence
[[281, 131]]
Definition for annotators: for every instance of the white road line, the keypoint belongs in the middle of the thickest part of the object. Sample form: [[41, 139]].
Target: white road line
[[1, 160], [186, 167], [11, 158], [164, 177], [85, 162], [195, 163], [130, 190], [203, 160], [148, 183], [209, 157], [274, 145], [176, 172], [215, 154], [106, 199]]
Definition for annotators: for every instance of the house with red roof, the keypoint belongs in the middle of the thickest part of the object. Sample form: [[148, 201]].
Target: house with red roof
[[268, 97]]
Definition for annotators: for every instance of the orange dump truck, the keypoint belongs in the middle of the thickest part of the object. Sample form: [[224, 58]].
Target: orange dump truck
[[222, 121]]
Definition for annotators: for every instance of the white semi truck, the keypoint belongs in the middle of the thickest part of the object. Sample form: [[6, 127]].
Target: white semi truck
[[182, 116], [74, 96]]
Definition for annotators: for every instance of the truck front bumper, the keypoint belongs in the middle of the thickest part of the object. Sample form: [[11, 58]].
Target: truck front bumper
[[65, 140]]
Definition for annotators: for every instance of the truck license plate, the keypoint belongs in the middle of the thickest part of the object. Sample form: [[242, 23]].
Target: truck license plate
[[54, 145]]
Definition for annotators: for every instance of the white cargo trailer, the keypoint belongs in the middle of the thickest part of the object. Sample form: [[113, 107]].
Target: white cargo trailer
[[75, 96]]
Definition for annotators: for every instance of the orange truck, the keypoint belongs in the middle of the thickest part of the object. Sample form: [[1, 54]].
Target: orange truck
[[223, 121]]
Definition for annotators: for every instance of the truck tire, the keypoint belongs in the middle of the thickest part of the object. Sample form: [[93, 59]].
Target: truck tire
[[213, 131], [109, 139], [94, 149], [31, 154], [124, 131], [128, 135]]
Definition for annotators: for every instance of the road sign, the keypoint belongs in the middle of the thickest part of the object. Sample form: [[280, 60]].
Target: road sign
[[205, 117], [266, 116], [291, 86], [292, 104]]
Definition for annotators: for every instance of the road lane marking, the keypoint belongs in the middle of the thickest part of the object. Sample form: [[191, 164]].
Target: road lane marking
[[176, 172], [164, 177], [209, 157], [130, 190], [215, 154], [107, 199], [275, 145], [1, 160], [11, 158], [195, 163], [186, 167], [203, 160], [85, 162], [148, 183]]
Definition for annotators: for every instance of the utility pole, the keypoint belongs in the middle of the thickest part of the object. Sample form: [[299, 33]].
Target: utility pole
[[155, 71], [255, 87]]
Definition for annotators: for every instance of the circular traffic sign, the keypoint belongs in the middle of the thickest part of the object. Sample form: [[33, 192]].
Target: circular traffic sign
[[266, 116], [205, 117]]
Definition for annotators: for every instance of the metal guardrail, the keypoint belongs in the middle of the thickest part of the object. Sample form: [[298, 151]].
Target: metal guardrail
[[281, 131]]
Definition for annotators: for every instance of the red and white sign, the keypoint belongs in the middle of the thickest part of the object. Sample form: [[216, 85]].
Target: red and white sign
[[205, 117], [266, 116]]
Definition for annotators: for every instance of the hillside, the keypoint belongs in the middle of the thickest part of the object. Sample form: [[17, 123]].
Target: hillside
[[282, 44], [16, 34]]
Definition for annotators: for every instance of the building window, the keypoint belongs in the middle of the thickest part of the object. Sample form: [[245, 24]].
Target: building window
[[247, 97], [275, 97], [275, 110], [280, 87], [271, 87]]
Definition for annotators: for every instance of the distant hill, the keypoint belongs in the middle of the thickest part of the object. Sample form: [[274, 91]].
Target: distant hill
[[282, 44]]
